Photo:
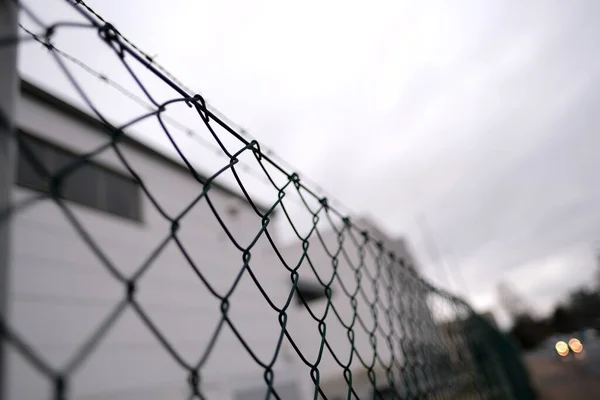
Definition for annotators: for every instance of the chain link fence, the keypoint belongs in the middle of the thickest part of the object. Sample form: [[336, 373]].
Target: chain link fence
[[132, 274]]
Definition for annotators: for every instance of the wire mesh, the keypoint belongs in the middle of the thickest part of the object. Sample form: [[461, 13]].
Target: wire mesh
[[354, 320]]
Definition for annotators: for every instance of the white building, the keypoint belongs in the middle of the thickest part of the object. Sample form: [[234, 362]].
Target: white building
[[385, 344], [61, 290]]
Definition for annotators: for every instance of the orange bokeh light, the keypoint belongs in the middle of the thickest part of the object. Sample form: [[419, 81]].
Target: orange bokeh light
[[562, 348], [575, 345]]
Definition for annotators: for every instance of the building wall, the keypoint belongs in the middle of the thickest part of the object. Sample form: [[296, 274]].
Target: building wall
[[61, 291]]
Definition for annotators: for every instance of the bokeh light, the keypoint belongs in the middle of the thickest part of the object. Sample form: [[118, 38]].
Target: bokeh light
[[575, 345], [562, 348]]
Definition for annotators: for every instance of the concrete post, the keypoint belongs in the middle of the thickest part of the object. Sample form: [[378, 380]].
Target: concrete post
[[9, 87]]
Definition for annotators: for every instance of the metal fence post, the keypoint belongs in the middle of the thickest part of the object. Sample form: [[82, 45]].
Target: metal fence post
[[9, 86]]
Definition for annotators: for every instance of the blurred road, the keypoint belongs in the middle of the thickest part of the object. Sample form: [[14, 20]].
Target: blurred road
[[558, 378]]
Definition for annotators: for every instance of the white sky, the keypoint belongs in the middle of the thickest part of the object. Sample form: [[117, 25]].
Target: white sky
[[479, 116]]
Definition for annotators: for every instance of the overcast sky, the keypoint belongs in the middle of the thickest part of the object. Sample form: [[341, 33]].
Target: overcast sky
[[478, 118]]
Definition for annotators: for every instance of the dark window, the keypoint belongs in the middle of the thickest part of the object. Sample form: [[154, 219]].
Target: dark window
[[386, 393], [310, 291], [82, 185], [123, 198], [27, 172], [88, 183]]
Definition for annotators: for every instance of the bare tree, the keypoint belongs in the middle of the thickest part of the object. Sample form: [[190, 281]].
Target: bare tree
[[512, 302]]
